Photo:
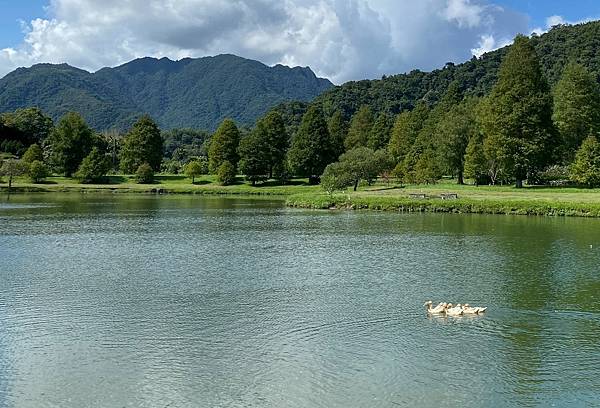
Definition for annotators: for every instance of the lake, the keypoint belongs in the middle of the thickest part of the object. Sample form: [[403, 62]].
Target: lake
[[183, 301]]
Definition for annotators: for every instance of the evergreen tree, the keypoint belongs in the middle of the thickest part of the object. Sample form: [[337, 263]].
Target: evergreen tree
[[586, 167], [143, 144], [379, 137], [360, 128], [518, 112], [255, 162], [338, 130], [453, 133], [476, 164], [226, 173], [576, 107], [69, 142], [405, 131], [94, 167], [272, 136], [311, 149], [224, 146]]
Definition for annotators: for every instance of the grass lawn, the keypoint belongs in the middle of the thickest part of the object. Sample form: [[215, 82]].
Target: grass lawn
[[534, 200]]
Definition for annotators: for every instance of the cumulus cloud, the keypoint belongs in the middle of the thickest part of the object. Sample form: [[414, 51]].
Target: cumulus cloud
[[339, 39]]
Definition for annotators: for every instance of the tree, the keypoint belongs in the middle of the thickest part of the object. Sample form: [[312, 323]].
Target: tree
[[69, 142], [144, 174], [37, 171], [476, 164], [33, 153], [576, 107], [338, 130], [142, 144], [224, 146], [12, 168], [379, 136], [336, 177], [254, 158], [518, 112], [272, 137], [426, 168], [311, 149], [355, 165], [405, 131], [226, 173], [193, 169], [453, 133], [94, 167], [32, 124], [360, 128], [586, 167]]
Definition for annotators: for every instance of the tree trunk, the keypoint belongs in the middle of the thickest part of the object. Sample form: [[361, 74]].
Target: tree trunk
[[461, 178], [519, 183], [355, 185], [192, 179]]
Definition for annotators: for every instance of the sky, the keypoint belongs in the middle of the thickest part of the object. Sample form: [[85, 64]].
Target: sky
[[339, 39]]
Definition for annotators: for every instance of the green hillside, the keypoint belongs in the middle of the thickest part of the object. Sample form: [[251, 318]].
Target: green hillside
[[196, 93], [396, 93]]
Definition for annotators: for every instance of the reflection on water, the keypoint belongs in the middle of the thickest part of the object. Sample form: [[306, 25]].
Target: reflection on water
[[186, 301]]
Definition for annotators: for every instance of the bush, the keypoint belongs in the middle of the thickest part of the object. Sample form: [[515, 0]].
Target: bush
[[226, 173], [170, 166], [37, 171], [554, 176], [34, 153], [586, 168], [93, 167], [144, 174]]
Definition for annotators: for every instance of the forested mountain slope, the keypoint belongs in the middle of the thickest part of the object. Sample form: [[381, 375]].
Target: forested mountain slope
[[196, 93]]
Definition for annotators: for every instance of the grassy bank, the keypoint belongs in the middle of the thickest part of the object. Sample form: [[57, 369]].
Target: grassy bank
[[381, 197], [480, 200], [164, 184]]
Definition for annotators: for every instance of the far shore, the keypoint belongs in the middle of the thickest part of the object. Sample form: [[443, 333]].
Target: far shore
[[443, 197]]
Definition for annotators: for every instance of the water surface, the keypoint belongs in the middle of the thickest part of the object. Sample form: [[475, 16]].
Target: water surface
[[182, 301]]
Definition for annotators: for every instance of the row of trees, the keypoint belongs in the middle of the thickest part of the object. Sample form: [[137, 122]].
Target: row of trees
[[72, 148], [522, 130], [514, 134]]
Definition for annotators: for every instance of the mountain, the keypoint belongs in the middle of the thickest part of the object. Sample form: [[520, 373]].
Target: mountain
[[197, 93], [396, 93]]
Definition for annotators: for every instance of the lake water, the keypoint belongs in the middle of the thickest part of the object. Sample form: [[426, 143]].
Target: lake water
[[183, 301]]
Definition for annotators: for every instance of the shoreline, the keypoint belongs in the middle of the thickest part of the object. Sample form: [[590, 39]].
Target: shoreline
[[471, 200], [435, 205]]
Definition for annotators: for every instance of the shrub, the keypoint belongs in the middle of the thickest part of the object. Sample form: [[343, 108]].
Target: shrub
[[144, 174], [226, 173], [33, 153], [93, 168], [37, 171], [194, 169]]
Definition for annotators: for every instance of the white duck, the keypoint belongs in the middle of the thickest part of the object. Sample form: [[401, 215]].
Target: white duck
[[439, 309], [473, 310], [454, 311]]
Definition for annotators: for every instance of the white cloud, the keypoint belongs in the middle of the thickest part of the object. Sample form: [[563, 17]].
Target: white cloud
[[339, 39]]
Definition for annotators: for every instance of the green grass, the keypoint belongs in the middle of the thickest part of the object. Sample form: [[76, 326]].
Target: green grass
[[530, 200], [471, 199], [175, 184]]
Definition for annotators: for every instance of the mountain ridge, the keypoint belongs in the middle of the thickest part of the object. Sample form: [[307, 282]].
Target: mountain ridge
[[191, 92]]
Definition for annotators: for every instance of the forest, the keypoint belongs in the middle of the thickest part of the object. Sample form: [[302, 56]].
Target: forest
[[523, 116]]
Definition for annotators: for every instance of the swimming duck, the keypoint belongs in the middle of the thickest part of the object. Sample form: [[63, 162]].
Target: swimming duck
[[439, 309], [467, 309], [454, 311]]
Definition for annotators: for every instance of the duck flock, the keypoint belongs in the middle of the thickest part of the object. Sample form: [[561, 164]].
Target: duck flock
[[449, 309]]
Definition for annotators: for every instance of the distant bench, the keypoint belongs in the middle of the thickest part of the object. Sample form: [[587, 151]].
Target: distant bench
[[449, 196], [445, 196]]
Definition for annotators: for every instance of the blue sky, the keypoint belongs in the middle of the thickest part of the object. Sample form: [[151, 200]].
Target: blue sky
[[339, 39]]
